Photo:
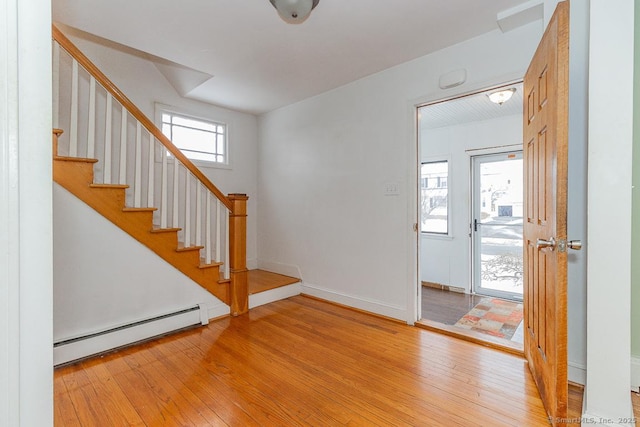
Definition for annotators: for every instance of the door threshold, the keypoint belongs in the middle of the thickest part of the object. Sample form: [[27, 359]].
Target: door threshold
[[472, 336]]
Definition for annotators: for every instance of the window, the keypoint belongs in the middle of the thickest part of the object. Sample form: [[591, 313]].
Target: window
[[434, 197], [198, 139]]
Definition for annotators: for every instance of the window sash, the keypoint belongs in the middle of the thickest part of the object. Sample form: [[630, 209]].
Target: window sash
[[198, 139], [434, 197]]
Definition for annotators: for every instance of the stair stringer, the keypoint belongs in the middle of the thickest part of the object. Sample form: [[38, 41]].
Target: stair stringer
[[76, 176]]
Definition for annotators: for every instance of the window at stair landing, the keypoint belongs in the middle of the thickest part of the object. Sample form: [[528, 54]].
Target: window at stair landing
[[198, 139]]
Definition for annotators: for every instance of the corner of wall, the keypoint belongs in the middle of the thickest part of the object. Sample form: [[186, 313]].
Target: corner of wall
[[635, 226]]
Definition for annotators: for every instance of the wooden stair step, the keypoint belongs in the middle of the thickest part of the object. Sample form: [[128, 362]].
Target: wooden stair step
[[182, 248], [117, 186], [139, 209], [210, 265], [262, 280], [75, 159], [157, 229]]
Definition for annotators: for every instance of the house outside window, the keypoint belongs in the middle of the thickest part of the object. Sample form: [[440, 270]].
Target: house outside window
[[198, 139], [434, 197]]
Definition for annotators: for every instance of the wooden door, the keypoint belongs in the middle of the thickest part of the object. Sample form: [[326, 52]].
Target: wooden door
[[545, 227]]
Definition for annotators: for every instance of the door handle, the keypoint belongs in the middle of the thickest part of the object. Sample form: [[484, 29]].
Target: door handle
[[542, 243], [576, 245]]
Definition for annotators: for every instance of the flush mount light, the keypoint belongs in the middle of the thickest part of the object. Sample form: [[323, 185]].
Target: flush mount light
[[501, 96], [294, 11]]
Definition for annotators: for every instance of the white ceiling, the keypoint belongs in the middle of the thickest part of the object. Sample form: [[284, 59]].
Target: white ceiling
[[470, 108], [239, 54]]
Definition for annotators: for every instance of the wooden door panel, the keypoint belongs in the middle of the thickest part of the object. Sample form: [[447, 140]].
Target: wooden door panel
[[545, 122]]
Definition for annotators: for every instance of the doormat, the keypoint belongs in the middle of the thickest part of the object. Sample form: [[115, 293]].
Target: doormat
[[493, 316]]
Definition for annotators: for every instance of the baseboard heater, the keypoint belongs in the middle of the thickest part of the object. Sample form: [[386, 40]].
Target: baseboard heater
[[71, 349]]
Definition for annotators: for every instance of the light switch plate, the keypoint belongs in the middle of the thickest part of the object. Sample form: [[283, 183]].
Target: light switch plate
[[391, 189]]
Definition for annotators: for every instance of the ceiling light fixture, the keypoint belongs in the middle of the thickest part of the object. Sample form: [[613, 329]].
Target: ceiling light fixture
[[294, 11], [501, 96]]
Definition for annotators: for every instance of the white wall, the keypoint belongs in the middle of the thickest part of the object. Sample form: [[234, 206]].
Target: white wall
[[143, 84], [103, 278], [324, 164], [446, 260], [26, 375], [611, 56]]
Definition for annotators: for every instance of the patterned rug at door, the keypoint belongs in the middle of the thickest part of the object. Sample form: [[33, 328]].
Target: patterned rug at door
[[493, 316]]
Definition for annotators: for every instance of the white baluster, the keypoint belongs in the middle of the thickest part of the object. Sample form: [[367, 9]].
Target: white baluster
[[187, 210], [107, 140], [151, 185], [123, 147], [56, 85], [207, 245], [91, 128], [198, 214], [73, 131], [163, 190], [218, 236], [226, 246], [174, 219], [137, 180]]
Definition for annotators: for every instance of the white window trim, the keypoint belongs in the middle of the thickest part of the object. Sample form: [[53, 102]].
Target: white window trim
[[430, 234], [163, 108]]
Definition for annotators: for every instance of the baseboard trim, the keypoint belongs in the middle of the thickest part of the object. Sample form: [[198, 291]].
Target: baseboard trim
[[374, 307], [272, 295], [90, 344], [577, 373], [443, 287], [280, 268], [635, 374]]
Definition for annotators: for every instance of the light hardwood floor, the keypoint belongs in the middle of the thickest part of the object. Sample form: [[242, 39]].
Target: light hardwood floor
[[261, 280], [301, 362]]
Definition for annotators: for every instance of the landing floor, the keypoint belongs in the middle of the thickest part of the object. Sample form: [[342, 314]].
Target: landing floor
[[261, 280]]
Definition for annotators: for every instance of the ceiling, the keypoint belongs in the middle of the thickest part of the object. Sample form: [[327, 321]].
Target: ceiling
[[471, 108], [239, 54]]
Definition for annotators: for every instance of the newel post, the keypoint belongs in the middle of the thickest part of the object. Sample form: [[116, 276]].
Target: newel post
[[239, 290]]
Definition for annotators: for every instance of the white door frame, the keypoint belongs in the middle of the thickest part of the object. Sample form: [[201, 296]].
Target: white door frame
[[26, 253], [414, 304]]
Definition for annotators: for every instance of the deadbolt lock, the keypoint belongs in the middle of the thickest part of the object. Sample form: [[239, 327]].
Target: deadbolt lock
[[576, 245]]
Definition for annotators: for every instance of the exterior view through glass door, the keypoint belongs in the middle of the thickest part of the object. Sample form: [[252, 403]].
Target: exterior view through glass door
[[497, 226]]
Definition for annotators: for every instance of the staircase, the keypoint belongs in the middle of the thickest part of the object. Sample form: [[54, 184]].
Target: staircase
[[118, 162]]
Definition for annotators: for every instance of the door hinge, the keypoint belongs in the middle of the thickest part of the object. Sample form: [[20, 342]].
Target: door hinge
[[415, 227]]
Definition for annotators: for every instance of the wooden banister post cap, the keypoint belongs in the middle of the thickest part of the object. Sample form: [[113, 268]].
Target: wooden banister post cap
[[238, 196]]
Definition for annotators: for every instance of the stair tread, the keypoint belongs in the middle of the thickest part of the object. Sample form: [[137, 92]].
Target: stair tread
[[75, 159], [139, 209], [158, 229], [123, 186], [210, 265], [182, 248]]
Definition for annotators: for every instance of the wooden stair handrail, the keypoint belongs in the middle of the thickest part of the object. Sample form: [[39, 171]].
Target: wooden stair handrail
[[67, 45]]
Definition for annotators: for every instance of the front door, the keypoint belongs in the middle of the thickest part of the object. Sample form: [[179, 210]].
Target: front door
[[497, 224], [545, 224]]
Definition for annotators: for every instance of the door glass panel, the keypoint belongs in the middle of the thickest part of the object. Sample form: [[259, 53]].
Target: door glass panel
[[497, 226]]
